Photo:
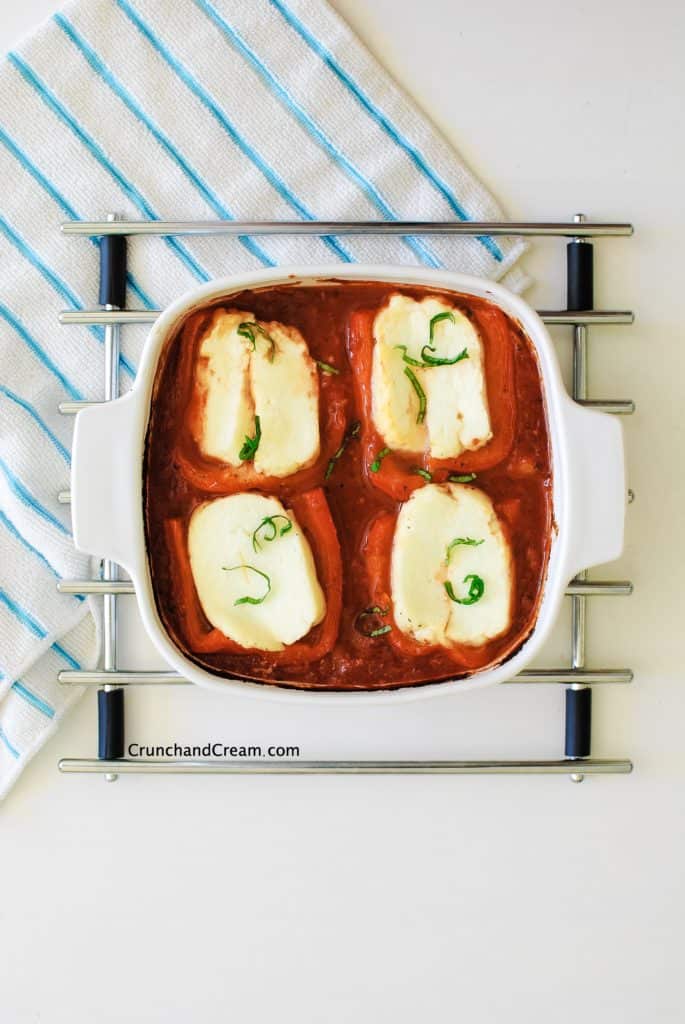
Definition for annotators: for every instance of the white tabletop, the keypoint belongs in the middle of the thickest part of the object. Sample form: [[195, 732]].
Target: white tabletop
[[419, 899]]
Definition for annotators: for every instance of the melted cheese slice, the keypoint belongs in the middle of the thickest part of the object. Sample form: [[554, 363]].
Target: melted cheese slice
[[457, 416], [286, 398], [223, 376], [427, 524], [239, 383], [220, 536]]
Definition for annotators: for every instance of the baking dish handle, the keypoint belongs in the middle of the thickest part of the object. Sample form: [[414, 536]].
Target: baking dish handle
[[597, 488], [105, 481]]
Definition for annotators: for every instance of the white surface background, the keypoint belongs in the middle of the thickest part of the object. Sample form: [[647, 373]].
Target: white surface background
[[421, 899]]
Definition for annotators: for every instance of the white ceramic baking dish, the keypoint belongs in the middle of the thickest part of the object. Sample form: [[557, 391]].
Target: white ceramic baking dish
[[587, 463]]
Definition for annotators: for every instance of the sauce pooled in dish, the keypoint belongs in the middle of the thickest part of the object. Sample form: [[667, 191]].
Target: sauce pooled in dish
[[348, 486]]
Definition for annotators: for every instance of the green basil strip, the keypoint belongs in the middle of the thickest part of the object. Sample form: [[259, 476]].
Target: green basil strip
[[376, 464], [429, 360], [424, 473], [421, 394], [326, 367], [461, 478], [247, 599], [476, 590], [438, 318], [468, 541], [352, 432], [408, 359], [373, 610], [251, 444], [269, 522], [250, 329]]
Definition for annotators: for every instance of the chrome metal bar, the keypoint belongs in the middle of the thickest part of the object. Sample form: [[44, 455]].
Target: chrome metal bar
[[95, 587], [608, 588], [110, 570], [586, 318], [105, 316], [617, 408], [573, 740], [64, 497], [557, 676], [597, 317], [597, 588], [579, 602], [144, 767], [561, 229], [97, 677], [71, 408]]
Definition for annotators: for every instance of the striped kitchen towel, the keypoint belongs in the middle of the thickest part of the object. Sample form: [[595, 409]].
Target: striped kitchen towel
[[178, 109]]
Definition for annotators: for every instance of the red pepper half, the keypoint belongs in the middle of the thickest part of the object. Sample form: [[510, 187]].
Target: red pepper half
[[216, 477], [378, 551], [314, 517], [397, 474]]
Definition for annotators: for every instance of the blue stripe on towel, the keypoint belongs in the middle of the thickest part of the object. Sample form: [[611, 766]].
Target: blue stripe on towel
[[35, 415], [13, 750], [65, 206], [412, 152], [367, 186], [60, 286], [39, 352], [25, 496], [136, 197], [11, 528], [210, 197], [67, 657], [24, 617], [209, 103], [35, 627], [32, 698]]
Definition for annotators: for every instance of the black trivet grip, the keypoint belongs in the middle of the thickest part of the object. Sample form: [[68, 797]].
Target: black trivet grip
[[578, 722], [579, 276], [113, 271], [110, 724]]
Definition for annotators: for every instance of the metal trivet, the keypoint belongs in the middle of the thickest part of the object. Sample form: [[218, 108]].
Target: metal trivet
[[578, 679]]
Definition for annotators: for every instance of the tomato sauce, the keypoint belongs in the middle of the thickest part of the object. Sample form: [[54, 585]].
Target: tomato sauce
[[514, 469]]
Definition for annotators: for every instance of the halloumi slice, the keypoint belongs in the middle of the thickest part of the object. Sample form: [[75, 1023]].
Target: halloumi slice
[[222, 374], [394, 404], [220, 536], [456, 415], [427, 524], [286, 398], [240, 381]]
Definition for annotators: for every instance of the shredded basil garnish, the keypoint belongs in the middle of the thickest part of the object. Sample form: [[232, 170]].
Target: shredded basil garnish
[[428, 357], [424, 473], [468, 541], [421, 394], [250, 329], [370, 612], [247, 599], [429, 360], [435, 320], [408, 359], [461, 478], [326, 367], [376, 464], [269, 523], [351, 433], [476, 590], [251, 444]]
